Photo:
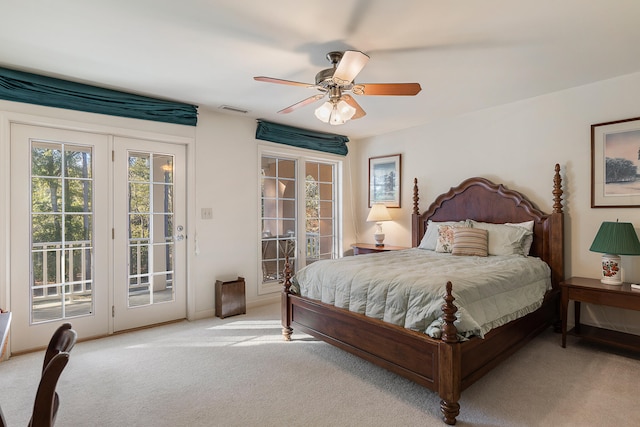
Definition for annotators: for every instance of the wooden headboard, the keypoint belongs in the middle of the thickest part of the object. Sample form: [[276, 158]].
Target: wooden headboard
[[482, 200]]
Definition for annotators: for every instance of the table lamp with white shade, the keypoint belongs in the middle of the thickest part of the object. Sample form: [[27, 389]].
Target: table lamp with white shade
[[612, 240], [378, 214]]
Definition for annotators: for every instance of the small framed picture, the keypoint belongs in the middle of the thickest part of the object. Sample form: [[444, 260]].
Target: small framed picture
[[384, 180], [615, 164]]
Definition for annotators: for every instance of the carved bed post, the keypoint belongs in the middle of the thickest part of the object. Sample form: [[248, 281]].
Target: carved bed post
[[556, 235], [286, 315], [450, 362], [415, 216]]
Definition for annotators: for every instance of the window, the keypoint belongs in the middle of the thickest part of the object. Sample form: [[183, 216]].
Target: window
[[299, 213]]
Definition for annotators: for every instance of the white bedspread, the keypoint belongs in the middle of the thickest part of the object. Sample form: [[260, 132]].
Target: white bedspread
[[406, 287]]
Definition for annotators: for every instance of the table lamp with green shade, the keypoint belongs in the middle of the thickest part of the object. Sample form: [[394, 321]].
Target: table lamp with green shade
[[612, 240]]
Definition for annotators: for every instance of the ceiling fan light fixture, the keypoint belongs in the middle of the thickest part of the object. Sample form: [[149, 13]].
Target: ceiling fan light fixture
[[335, 113], [323, 112]]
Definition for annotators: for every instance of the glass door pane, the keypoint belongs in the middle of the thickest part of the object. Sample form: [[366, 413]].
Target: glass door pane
[[150, 245], [319, 211], [279, 216], [61, 231]]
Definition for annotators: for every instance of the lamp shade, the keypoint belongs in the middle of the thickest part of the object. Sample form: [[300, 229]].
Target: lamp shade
[[617, 238], [378, 213]]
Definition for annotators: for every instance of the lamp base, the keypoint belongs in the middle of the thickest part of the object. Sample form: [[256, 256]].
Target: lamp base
[[611, 273], [379, 238]]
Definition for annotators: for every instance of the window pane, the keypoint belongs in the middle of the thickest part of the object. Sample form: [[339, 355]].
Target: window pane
[[287, 169], [268, 167], [139, 200], [78, 228], [46, 228], [311, 171], [287, 209], [326, 209], [46, 159], [163, 165], [162, 198], [287, 188], [139, 226], [46, 194], [326, 172], [78, 162], [326, 228], [139, 167], [326, 191], [77, 195]]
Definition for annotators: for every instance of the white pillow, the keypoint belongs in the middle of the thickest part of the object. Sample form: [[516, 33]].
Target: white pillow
[[528, 239], [430, 239], [503, 239]]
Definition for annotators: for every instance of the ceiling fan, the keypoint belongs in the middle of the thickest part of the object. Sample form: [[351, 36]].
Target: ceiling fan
[[338, 82]]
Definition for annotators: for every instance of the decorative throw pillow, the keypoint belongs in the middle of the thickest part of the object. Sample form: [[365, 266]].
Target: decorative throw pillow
[[445, 238], [503, 239], [430, 239], [470, 241]]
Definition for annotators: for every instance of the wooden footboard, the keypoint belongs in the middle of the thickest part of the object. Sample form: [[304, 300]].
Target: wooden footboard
[[446, 367]]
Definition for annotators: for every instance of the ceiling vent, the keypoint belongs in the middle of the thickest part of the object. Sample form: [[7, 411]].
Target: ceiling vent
[[233, 109]]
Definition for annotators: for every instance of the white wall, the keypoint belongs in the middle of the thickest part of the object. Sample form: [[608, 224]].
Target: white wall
[[518, 145]]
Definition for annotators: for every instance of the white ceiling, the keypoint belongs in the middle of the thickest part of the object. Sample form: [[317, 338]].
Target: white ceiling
[[466, 54]]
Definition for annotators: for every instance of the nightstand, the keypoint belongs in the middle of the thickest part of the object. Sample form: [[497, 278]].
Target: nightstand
[[370, 248], [581, 289]]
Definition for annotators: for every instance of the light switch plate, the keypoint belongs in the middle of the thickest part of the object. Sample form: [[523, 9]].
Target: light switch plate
[[207, 213]]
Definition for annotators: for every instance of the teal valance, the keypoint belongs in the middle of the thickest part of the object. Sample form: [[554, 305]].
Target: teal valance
[[302, 138], [41, 90]]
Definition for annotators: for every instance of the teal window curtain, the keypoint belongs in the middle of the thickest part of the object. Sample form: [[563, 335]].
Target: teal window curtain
[[41, 90], [302, 138]]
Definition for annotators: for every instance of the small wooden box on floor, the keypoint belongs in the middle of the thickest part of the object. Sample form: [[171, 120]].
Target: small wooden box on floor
[[230, 298]]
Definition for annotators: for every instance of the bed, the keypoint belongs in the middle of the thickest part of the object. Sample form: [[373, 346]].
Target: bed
[[448, 364]]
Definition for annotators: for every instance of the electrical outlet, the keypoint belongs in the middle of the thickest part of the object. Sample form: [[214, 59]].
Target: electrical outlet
[[207, 213]]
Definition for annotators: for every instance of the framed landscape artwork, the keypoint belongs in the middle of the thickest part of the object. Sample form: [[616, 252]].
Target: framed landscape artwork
[[384, 180], [615, 164]]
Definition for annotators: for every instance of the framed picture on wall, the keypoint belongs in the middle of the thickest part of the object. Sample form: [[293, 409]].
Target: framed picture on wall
[[384, 180], [615, 164]]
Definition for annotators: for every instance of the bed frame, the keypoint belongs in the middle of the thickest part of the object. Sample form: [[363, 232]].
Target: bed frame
[[444, 365]]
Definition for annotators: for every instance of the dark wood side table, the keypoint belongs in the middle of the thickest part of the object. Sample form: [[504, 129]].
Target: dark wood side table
[[370, 248], [581, 289]]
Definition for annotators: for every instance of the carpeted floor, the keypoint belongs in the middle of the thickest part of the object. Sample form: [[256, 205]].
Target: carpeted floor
[[238, 372]]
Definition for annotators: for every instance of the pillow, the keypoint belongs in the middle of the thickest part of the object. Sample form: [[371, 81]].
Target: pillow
[[503, 239], [445, 238], [430, 238], [528, 240], [470, 241]]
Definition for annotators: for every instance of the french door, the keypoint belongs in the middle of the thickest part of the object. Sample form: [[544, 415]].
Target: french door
[[299, 219], [76, 210], [149, 233]]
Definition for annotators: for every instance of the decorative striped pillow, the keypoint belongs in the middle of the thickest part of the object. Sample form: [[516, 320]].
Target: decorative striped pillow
[[470, 241]]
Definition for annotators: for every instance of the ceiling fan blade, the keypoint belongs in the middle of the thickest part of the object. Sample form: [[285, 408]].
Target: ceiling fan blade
[[302, 103], [398, 89], [282, 82], [359, 111], [352, 62]]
